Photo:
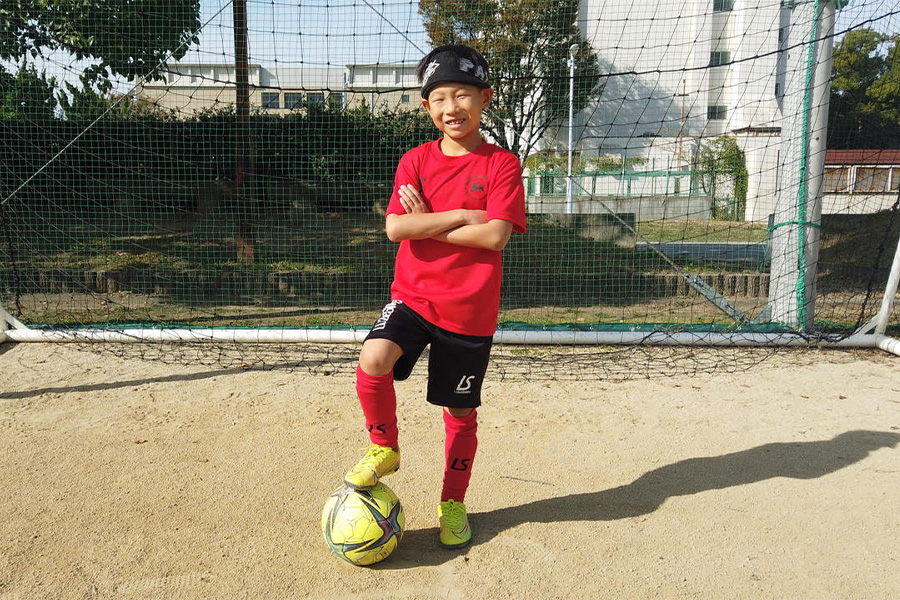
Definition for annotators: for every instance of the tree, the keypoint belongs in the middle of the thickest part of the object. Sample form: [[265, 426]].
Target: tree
[[885, 96], [526, 44], [721, 166], [129, 38], [864, 110], [26, 94]]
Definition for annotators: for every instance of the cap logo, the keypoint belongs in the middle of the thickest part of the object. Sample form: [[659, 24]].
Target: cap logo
[[429, 71]]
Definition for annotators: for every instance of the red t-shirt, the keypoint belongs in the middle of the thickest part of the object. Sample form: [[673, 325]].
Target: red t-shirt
[[455, 287]]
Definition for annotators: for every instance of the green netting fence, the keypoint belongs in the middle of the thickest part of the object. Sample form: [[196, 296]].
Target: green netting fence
[[721, 176]]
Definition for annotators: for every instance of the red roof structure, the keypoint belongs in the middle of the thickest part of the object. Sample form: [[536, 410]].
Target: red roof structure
[[862, 157]]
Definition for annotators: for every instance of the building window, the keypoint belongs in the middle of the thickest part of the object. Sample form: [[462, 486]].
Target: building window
[[717, 59], [778, 90], [895, 179], [722, 5], [716, 112], [404, 98], [836, 179], [271, 100], [317, 98], [871, 179], [292, 100]]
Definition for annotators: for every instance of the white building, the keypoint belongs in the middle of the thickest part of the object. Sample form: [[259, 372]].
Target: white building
[[189, 88], [860, 181], [676, 73]]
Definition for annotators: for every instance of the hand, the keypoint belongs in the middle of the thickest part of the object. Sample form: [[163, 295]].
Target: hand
[[412, 200]]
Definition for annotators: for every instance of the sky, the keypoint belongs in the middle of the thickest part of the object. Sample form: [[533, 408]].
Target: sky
[[340, 32], [880, 15], [335, 33], [319, 33]]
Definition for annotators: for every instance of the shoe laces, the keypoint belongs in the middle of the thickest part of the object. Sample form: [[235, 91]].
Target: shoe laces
[[454, 514], [374, 456]]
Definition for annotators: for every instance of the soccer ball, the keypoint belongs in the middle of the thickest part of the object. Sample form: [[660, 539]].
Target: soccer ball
[[363, 526]]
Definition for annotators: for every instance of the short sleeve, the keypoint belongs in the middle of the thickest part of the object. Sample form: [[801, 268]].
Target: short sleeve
[[507, 194]]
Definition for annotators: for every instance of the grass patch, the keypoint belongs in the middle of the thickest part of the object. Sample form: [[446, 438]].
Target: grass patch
[[703, 231], [311, 268]]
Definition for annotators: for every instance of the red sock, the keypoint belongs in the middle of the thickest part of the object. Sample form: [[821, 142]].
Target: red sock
[[459, 454], [379, 405]]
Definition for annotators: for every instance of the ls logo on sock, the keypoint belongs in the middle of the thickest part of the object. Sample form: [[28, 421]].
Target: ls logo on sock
[[460, 464]]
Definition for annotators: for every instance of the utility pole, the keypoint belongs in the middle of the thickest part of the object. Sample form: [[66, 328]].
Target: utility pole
[[242, 92], [573, 51]]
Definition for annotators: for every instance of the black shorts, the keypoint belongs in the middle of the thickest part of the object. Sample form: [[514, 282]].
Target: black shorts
[[456, 363]]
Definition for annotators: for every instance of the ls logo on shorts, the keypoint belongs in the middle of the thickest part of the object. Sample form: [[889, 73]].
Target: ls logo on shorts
[[465, 385]]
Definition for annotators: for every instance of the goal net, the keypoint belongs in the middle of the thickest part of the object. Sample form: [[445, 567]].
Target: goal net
[[717, 173]]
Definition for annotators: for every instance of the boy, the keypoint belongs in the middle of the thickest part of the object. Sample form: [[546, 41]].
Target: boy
[[456, 202]]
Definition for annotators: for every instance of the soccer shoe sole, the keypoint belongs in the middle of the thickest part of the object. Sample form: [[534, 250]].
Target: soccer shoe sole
[[455, 546], [355, 486]]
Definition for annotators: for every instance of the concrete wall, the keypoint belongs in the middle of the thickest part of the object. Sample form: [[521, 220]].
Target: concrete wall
[[644, 208]]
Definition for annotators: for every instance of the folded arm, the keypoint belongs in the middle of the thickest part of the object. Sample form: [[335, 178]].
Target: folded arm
[[460, 226], [492, 235]]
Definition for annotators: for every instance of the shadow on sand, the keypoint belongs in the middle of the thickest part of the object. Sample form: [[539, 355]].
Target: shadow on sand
[[644, 495]]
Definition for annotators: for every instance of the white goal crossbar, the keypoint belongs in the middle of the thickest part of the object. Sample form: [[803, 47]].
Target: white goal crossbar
[[528, 337]]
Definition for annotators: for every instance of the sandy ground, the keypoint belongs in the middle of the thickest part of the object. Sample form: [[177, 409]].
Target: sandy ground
[[138, 479]]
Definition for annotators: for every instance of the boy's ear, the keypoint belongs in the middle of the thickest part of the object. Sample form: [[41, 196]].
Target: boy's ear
[[487, 94]]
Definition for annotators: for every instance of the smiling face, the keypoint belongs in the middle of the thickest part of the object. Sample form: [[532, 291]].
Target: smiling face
[[455, 109]]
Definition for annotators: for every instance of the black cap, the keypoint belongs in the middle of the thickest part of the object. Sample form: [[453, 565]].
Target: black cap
[[450, 64]]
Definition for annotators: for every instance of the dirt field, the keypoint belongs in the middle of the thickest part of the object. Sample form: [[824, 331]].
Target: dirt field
[[133, 479]]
